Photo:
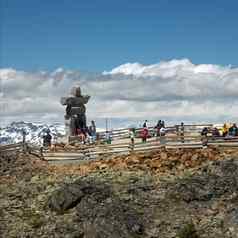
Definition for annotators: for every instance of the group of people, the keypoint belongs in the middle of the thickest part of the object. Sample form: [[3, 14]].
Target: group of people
[[226, 131], [160, 131], [144, 133], [160, 128], [229, 130], [88, 134]]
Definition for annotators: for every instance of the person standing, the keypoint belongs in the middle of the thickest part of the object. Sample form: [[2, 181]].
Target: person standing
[[162, 135], [233, 131], [225, 130], [159, 123], [158, 127], [215, 132], [132, 137], [82, 137], [24, 145], [182, 132], [204, 136], [144, 134], [108, 137], [145, 124], [47, 139], [93, 125], [93, 131]]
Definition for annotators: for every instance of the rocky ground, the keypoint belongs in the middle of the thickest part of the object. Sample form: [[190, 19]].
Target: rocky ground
[[186, 193]]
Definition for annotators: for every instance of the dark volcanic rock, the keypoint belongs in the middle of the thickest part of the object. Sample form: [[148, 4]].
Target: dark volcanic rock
[[20, 166], [71, 194], [100, 213], [221, 178], [6, 162], [199, 202], [109, 218], [132, 206]]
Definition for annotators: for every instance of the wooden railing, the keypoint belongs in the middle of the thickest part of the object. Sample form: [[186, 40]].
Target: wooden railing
[[170, 142], [22, 148], [11, 147], [121, 144], [123, 133]]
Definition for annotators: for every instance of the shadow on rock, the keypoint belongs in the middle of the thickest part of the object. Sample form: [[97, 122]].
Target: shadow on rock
[[100, 213], [221, 178]]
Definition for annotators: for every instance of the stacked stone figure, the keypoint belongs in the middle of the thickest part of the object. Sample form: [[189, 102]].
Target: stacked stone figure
[[75, 117]]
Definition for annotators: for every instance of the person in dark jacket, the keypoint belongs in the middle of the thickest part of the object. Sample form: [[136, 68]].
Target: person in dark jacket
[[159, 124], [158, 127], [204, 131], [204, 136], [47, 139], [233, 131], [182, 132], [215, 132], [145, 124]]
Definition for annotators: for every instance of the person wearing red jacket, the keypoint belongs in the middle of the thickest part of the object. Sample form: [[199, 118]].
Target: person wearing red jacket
[[144, 134]]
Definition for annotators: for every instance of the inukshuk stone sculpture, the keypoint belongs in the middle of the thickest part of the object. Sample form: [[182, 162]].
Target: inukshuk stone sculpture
[[75, 117]]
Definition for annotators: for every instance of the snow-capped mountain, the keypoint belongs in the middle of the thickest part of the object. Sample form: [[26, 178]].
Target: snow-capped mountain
[[13, 133]]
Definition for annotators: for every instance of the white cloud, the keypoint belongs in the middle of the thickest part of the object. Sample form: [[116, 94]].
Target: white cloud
[[175, 90], [167, 68]]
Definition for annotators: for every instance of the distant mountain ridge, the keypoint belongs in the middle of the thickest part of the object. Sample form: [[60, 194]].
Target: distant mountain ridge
[[34, 131]]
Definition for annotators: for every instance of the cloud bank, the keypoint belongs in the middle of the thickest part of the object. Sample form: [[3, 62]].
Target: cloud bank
[[175, 90]]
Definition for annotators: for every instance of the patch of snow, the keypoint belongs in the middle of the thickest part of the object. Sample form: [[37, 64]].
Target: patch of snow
[[13, 133]]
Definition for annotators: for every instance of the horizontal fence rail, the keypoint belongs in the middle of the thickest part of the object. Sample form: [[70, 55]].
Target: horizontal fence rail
[[126, 148], [11, 148], [189, 137]]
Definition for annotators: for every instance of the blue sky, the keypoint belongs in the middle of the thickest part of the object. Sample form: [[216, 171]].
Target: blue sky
[[101, 34]]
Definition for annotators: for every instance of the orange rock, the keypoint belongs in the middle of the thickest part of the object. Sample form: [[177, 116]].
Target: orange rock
[[157, 157], [121, 166], [173, 158], [195, 157], [187, 163], [132, 160], [184, 157], [163, 155], [149, 161], [155, 164]]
